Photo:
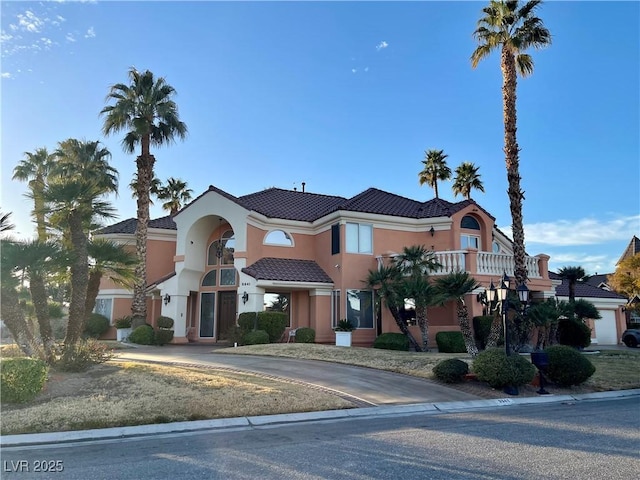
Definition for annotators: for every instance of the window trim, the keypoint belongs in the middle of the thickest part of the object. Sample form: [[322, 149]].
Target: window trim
[[359, 226], [468, 235], [287, 235], [373, 309]]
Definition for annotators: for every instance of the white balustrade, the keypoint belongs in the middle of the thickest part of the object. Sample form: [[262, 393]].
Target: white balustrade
[[489, 263]]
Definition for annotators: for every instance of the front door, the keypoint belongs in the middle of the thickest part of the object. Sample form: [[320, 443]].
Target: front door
[[226, 313]]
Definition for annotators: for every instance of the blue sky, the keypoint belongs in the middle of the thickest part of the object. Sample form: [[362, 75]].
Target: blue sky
[[345, 96]]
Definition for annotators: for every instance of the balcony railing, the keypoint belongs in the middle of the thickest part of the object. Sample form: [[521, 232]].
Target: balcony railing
[[486, 263]]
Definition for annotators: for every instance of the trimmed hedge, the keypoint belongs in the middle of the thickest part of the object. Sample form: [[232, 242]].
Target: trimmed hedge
[[274, 323], [392, 341], [451, 370], [255, 337], [96, 325], [165, 322], [450, 342], [494, 367], [162, 336], [574, 333], [21, 379], [142, 335], [567, 366], [305, 335]]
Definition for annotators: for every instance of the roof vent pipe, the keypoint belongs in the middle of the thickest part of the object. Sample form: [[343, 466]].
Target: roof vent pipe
[[303, 184]]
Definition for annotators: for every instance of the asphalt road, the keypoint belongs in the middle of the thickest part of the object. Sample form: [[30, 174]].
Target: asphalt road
[[579, 440]]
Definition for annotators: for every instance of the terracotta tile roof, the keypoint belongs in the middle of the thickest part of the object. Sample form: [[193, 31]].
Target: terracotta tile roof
[[583, 289], [287, 270], [290, 204], [129, 225], [632, 249]]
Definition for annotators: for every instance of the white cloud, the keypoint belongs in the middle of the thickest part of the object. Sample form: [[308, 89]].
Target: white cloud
[[29, 22], [382, 45], [5, 75], [90, 33], [354, 70], [591, 263], [46, 42], [69, 37], [586, 231]]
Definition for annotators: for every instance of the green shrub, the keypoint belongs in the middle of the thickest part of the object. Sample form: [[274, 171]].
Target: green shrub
[[21, 379], [234, 334], [567, 366], [392, 341], [305, 335], [450, 342], [344, 325], [574, 333], [162, 336], [165, 322], [142, 335], [83, 355], [451, 370], [481, 330], [55, 310], [123, 322], [494, 367], [255, 337], [274, 323], [96, 325]]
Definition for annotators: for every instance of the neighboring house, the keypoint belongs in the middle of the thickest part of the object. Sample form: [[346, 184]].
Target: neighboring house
[[607, 330], [307, 254]]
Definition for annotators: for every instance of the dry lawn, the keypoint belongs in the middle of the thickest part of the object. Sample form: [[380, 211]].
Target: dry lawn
[[130, 393]]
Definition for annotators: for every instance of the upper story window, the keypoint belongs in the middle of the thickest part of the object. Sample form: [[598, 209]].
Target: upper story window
[[470, 223], [221, 251], [278, 237], [469, 241], [335, 239], [495, 247], [359, 238]]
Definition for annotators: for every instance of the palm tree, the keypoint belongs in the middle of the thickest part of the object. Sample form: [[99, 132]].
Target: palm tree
[[5, 222], [154, 187], [176, 194], [512, 28], [455, 286], [110, 259], [573, 275], [144, 109], [414, 264], [435, 168], [37, 259], [35, 168], [467, 178], [75, 192]]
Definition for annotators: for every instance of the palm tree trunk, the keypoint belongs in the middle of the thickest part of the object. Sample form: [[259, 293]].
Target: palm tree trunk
[[13, 318], [423, 323], [79, 281], [494, 333], [511, 149], [41, 307], [39, 209], [465, 329], [435, 187], [145, 164], [403, 328], [93, 288]]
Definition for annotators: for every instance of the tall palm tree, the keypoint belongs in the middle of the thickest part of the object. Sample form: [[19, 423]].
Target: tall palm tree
[[435, 168], [455, 286], [154, 187], [466, 179], [573, 275], [35, 168], [512, 28], [5, 222], [75, 194], [146, 111], [176, 194], [110, 259]]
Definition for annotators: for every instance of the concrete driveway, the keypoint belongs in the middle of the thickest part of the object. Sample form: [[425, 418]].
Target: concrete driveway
[[365, 386]]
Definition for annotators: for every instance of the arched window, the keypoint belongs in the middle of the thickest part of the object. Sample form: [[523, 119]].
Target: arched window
[[278, 237], [209, 280], [222, 249], [469, 222]]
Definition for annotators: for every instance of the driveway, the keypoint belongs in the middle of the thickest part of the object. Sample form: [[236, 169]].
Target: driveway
[[365, 385]]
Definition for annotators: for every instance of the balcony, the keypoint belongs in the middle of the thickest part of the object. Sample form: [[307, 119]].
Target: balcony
[[486, 263]]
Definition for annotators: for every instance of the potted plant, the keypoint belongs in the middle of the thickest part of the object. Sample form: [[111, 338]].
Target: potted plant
[[123, 328], [343, 333]]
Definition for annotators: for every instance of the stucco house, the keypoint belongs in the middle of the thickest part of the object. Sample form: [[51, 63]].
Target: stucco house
[[309, 253]]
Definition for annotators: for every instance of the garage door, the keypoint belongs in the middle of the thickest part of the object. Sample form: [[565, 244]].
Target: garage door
[[605, 328]]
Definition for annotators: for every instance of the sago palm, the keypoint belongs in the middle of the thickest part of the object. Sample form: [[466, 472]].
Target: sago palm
[[146, 111], [175, 195], [466, 179], [34, 169], [511, 28], [435, 169], [454, 287]]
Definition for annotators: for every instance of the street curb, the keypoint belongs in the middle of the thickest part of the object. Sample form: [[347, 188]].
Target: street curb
[[241, 423]]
